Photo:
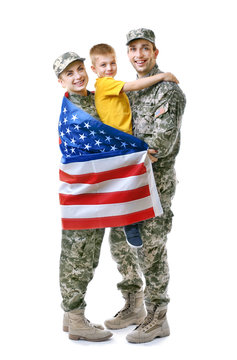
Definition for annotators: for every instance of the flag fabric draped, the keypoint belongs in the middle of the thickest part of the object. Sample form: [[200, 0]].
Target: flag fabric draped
[[106, 177]]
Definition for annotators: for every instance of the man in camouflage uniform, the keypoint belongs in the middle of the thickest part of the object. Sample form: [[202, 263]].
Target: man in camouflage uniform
[[80, 249], [157, 113]]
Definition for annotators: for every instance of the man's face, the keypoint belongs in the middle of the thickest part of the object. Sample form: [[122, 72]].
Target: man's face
[[74, 78], [142, 56], [105, 65]]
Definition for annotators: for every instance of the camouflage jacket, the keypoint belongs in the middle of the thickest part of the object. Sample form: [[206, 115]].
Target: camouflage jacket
[[157, 113], [86, 103]]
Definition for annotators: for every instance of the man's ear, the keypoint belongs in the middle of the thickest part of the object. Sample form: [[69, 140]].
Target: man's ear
[[156, 53]]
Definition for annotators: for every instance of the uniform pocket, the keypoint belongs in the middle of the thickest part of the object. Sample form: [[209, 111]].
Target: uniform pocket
[[144, 119]]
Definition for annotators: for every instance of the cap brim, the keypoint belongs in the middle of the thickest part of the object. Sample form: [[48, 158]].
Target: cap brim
[[78, 59], [137, 38]]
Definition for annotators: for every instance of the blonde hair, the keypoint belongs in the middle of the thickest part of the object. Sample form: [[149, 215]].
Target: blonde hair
[[100, 49]]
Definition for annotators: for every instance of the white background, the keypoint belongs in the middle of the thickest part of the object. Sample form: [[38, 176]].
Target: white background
[[197, 42]]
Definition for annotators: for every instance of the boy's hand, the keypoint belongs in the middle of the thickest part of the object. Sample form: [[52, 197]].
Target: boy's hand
[[170, 77], [152, 158]]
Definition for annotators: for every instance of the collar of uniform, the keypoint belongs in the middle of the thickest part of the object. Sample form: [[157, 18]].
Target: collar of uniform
[[154, 70], [72, 94], [78, 98]]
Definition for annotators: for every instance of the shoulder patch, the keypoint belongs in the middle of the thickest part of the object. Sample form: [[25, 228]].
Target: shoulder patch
[[161, 110]]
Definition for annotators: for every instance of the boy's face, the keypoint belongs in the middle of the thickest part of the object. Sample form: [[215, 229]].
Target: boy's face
[[74, 78], [142, 56], [105, 65]]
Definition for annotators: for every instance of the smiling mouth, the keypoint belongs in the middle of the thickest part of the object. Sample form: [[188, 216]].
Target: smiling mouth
[[79, 83], [140, 62]]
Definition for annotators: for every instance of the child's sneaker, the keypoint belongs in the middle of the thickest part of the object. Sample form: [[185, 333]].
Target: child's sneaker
[[133, 235]]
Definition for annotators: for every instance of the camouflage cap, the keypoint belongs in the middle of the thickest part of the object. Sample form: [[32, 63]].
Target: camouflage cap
[[64, 60], [141, 34]]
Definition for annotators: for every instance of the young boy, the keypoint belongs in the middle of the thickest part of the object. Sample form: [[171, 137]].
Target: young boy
[[112, 103]]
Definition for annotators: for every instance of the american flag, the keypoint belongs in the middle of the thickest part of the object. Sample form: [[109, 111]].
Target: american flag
[[106, 177]]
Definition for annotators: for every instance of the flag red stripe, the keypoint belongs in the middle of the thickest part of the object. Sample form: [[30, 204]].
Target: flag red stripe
[[94, 178], [105, 198], [109, 221]]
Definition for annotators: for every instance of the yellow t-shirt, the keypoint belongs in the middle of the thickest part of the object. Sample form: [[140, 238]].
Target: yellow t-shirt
[[112, 107]]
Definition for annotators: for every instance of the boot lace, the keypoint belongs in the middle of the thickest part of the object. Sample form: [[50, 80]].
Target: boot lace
[[148, 319], [87, 322]]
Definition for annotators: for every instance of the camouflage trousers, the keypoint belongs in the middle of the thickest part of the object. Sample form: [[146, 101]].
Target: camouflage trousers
[[151, 259], [80, 253]]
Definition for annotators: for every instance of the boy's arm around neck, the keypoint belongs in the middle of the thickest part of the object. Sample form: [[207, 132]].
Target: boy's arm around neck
[[146, 82]]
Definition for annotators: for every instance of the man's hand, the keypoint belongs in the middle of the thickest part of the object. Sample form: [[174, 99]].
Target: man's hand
[[150, 152]]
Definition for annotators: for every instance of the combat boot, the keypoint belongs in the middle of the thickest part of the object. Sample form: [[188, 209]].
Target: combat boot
[[154, 325], [66, 323], [81, 328], [132, 313]]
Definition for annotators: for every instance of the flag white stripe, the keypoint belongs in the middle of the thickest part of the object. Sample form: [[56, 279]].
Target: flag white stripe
[[98, 165], [155, 199], [123, 184], [86, 211]]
